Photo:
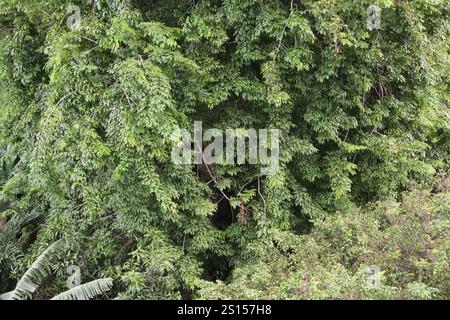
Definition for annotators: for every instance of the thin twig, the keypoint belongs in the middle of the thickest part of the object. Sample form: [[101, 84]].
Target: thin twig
[[213, 178], [280, 42], [264, 200]]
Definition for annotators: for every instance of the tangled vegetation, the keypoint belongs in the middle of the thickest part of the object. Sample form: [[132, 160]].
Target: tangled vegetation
[[86, 177]]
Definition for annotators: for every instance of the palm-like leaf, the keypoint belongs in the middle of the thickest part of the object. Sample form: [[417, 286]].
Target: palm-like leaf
[[86, 291], [6, 296], [10, 245], [34, 276], [18, 221]]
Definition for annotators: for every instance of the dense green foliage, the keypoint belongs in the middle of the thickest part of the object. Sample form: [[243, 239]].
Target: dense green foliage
[[407, 241], [86, 117]]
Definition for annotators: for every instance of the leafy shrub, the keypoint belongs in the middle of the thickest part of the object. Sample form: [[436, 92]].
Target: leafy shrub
[[406, 241]]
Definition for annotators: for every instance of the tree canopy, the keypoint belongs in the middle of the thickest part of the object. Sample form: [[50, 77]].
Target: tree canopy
[[86, 118]]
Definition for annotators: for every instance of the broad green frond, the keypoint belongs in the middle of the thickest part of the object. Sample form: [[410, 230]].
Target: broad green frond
[[38, 271], [86, 291], [6, 296], [9, 245]]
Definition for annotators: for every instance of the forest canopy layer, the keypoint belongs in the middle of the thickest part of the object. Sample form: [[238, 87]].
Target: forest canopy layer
[[92, 205]]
